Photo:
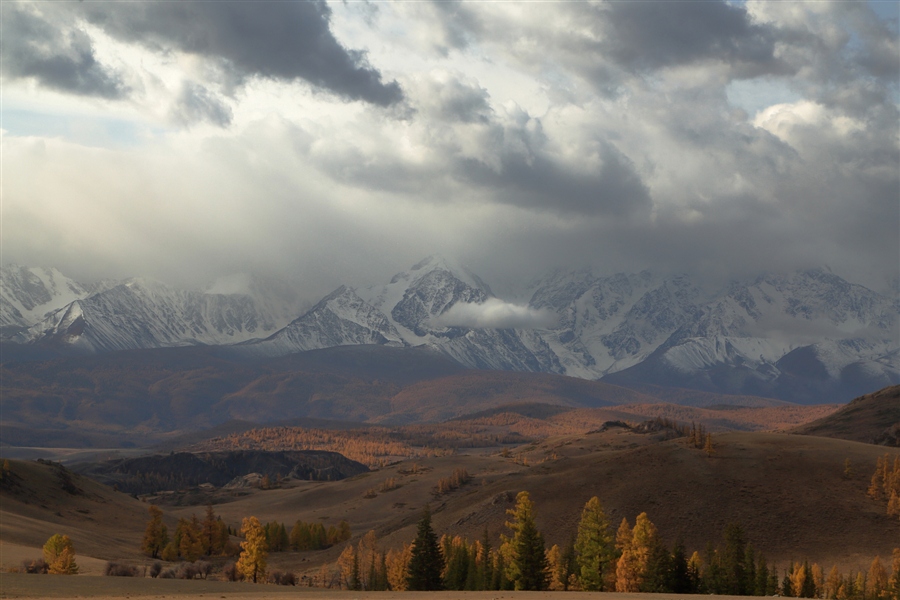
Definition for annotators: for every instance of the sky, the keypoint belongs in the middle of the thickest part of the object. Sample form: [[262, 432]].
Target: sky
[[341, 142]]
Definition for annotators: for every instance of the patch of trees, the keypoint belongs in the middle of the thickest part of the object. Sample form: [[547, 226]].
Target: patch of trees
[[445, 485], [634, 559], [885, 485], [58, 558], [192, 539]]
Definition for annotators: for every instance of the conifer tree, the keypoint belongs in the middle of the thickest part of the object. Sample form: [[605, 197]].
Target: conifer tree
[[190, 546], [680, 581], [254, 551], [894, 584], [571, 568], [762, 578], [210, 536], [426, 561], [594, 549], [398, 567], [733, 560], [877, 581], [528, 564], [156, 535], [487, 562], [643, 544], [556, 569]]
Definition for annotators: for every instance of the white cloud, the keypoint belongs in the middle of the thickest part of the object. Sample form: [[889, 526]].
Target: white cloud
[[495, 313]]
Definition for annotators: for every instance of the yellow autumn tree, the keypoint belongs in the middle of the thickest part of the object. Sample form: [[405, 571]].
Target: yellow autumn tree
[[398, 567], [156, 536], [254, 551], [877, 581], [59, 554]]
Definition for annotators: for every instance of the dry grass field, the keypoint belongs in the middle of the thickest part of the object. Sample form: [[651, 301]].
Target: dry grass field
[[107, 588], [790, 493]]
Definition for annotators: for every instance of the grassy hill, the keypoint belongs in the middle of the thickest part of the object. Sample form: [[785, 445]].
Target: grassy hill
[[872, 419]]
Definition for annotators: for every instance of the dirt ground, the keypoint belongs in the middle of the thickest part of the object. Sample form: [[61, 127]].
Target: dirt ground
[[17, 585]]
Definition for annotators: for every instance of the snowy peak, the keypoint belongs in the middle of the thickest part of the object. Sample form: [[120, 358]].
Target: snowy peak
[[436, 263], [341, 318], [143, 313], [28, 294]]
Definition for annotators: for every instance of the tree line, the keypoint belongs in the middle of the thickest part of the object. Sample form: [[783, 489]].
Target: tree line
[[194, 538], [634, 559]]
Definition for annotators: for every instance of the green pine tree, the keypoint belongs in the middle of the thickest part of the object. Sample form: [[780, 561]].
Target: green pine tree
[[427, 561], [594, 546], [528, 569]]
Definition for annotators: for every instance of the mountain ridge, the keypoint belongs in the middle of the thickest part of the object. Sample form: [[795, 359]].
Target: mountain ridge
[[808, 336]]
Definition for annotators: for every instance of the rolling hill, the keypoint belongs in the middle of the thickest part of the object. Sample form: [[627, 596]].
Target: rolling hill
[[136, 397], [872, 419]]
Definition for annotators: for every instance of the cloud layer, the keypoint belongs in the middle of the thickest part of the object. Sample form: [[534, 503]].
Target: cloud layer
[[494, 313], [336, 142]]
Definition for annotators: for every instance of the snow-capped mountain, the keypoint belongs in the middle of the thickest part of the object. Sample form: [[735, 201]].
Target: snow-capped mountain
[[141, 313], [808, 335], [341, 318], [27, 295], [406, 311]]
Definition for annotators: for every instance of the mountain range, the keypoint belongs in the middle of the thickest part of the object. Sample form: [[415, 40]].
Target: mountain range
[[808, 336]]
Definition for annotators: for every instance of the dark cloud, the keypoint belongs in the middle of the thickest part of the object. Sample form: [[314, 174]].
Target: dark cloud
[[54, 54], [650, 35], [196, 104], [529, 176], [447, 98], [278, 40]]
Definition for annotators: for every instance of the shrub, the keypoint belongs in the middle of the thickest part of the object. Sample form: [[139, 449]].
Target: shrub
[[155, 569], [283, 578], [37, 565], [114, 569], [203, 568], [232, 573], [167, 574], [187, 571]]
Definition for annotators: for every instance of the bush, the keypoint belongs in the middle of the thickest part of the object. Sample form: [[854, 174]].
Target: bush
[[37, 565], [203, 568], [187, 571], [167, 574], [114, 569], [232, 573], [155, 569], [283, 578]]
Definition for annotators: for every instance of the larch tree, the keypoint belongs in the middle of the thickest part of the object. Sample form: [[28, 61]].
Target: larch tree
[[594, 548], [254, 551], [59, 554], [398, 566], [528, 564], [877, 581], [210, 533], [190, 545], [426, 562], [632, 567], [156, 535]]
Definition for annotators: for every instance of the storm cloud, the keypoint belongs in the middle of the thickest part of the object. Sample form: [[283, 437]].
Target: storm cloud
[[56, 55], [711, 138], [279, 40]]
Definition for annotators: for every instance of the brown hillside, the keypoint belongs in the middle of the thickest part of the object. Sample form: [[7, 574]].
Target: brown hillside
[[871, 419], [135, 398], [38, 500], [788, 492], [470, 391]]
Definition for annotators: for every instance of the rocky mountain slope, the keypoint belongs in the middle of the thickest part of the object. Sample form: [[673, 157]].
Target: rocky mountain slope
[[808, 336]]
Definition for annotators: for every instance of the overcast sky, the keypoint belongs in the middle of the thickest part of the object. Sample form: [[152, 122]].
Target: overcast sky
[[340, 142]]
